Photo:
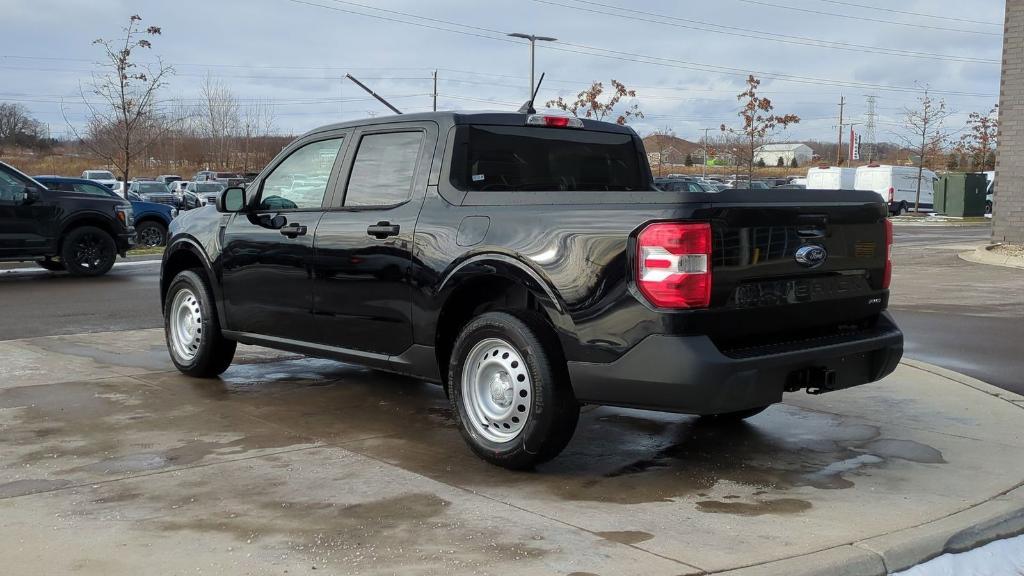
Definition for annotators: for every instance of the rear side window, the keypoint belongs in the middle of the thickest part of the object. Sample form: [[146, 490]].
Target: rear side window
[[384, 169], [521, 158]]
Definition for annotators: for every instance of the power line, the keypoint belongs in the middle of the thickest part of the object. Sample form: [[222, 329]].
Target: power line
[[866, 19], [923, 15], [622, 55], [702, 26]]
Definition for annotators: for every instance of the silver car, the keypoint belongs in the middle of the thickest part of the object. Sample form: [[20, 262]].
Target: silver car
[[208, 191]]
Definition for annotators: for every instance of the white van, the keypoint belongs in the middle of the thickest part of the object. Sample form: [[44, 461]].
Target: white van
[[831, 178], [897, 185]]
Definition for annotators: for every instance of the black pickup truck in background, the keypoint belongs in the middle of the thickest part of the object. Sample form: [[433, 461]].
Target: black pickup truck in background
[[76, 231], [527, 263]]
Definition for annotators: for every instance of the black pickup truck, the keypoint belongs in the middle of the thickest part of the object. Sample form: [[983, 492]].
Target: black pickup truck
[[79, 230], [528, 264]]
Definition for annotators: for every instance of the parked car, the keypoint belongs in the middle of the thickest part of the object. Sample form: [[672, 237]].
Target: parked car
[[681, 185], [208, 192], [530, 287], [831, 178], [990, 177], [151, 191], [75, 231], [203, 176], [898, 186], [151, 219], [177, 188], [168, 178], [250, 176], [104, 177], [225, 178]]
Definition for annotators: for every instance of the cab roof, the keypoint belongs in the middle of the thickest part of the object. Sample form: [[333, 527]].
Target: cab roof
[[448, 119]]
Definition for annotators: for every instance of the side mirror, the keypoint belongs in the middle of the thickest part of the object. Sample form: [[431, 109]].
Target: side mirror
[[231, 200], [32, 195]]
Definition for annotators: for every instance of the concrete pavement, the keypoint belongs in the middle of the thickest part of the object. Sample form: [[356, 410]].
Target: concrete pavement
[[113, 463]]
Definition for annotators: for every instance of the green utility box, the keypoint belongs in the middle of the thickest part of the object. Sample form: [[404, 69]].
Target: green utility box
[[961, 195]]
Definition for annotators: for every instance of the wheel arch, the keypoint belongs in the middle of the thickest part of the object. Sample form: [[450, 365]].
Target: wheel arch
[[185, 253], [488, 282], [85, 219]]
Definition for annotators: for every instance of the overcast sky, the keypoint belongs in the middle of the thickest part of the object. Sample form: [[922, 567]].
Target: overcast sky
[[686, 59]]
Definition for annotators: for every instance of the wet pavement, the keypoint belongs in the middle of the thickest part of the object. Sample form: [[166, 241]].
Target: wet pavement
[[113, 463]]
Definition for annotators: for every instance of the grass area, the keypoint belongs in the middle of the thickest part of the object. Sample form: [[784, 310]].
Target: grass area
[[146, 251]]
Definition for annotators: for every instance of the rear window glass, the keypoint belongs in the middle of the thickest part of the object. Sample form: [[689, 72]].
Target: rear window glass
[[520, 158], [152, 188], [205, 187]]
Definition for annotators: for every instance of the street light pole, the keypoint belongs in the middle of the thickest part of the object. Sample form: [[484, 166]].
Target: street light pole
[[533, 40]]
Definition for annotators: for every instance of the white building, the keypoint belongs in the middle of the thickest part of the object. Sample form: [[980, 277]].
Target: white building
[[770, 154]]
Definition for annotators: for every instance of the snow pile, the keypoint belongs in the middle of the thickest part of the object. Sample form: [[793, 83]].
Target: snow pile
[[999, 558]]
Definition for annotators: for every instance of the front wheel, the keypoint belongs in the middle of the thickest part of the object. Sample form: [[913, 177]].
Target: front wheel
[[194, 339], [88, 251], [510, 390], [151, 234]]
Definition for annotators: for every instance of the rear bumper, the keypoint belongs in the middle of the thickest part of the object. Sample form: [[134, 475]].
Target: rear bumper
[[689, 374]]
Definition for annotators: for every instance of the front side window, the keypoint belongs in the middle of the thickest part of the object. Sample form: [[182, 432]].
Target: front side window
[[527, 158], [92, 189], [384, 169], [300, 181], [12, 186]]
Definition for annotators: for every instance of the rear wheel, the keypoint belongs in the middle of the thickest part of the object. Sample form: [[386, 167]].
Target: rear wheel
[[51, 265], [192, 330], [510, 391], [151, 234], [88, 251]]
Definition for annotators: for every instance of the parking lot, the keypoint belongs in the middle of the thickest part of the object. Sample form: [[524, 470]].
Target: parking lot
[[114, 463]]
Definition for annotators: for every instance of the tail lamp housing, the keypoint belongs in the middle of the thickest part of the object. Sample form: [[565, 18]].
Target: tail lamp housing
[[887, 276], [673, 264]]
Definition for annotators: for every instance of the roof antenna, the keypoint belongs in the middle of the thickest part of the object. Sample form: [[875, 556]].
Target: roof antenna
[[374, 94], [527, 107]]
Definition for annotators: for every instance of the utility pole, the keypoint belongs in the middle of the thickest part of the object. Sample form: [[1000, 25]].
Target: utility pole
[[533, 40], [839, 143], [704, 164], [435, 90]]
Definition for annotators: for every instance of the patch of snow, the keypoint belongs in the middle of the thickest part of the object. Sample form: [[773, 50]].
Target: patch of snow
[[999, 558]]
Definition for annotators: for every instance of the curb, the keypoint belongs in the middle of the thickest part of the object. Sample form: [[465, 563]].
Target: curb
[[999, 517], [940, 222], [984, 255]]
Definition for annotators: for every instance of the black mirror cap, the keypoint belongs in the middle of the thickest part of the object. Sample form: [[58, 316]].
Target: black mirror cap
[[32, 194], [231, 200]]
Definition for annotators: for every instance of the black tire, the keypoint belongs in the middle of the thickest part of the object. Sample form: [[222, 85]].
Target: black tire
[[51, 265], [733, 417], [150, 234], [214, 352], [88, 251], [553, 411]]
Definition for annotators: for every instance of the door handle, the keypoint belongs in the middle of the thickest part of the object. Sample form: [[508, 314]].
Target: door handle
[[293, 230], [382, 230]]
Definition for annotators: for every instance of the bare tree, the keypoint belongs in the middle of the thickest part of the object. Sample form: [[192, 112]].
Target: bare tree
[[126, 123], [759, 124], [218, 117], [257, 124], [18, 127], [588, 103], [662, 140], [923, 133], [979, 142]]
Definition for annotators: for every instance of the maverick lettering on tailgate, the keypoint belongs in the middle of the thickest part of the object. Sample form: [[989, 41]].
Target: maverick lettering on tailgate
[[798, 290]]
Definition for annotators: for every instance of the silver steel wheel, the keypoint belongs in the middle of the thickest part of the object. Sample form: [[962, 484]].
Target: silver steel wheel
[[496, 390], [186, 325]]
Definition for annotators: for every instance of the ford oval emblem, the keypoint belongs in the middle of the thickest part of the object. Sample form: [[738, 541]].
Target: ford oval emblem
[[811, 255]]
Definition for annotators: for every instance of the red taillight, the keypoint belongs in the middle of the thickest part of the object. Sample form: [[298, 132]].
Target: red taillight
[[674, 264], [887, 277], [892, 194]]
